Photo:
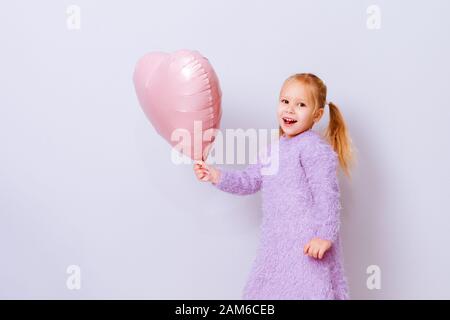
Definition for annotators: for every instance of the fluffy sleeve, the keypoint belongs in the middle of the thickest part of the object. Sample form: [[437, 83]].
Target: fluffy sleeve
[[320, 163], [241, 182], [250, 179]]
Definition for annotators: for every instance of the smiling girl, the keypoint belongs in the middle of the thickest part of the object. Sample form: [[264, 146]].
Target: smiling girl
[[300, 253]]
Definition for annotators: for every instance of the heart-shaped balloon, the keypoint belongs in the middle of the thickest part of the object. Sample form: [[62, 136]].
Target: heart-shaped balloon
[[181, 96]]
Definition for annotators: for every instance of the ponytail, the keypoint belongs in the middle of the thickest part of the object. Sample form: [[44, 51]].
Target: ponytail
[[337, 135]]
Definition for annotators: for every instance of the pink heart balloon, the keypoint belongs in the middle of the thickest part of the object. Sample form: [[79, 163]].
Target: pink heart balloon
[[181, 96]]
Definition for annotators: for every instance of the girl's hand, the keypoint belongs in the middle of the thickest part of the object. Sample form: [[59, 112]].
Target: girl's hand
[[316, 248], [205, 172]]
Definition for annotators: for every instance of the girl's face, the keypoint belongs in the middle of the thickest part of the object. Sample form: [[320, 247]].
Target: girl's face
[[295, 109]]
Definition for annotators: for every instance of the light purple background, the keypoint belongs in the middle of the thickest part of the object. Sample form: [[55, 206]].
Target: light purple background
[[85, 179]]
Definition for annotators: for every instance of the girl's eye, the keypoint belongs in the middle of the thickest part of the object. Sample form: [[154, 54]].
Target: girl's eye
[[302, 104], [284, 101]]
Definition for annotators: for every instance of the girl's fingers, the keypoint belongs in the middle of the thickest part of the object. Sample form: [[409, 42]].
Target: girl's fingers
[[199, 173], [202, 170], [321, 253], [200, 163], [316, 253], [199, 166], [205, 176], [306, 248], [312, 251], [202, 174]]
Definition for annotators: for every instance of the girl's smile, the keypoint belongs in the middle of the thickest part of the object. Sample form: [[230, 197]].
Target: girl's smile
[[289, 121]]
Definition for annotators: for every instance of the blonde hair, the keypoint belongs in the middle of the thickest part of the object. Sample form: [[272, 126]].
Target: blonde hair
[[336, 133]]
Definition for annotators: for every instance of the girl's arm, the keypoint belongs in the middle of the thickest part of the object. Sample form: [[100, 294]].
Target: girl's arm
[[240, 182], [320, 162]]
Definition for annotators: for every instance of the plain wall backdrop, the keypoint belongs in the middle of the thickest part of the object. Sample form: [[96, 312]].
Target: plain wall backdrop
[[85, 180]]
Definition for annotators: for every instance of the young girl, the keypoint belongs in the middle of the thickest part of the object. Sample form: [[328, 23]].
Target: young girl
[[299, 256]]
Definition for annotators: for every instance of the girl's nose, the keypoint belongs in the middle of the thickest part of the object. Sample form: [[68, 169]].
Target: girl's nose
[[290, 109]]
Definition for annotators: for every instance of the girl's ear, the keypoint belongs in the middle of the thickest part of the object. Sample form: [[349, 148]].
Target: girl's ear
[[319, 114]]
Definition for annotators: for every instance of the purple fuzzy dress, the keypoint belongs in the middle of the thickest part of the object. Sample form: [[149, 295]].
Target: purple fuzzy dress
[[300, 201]]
